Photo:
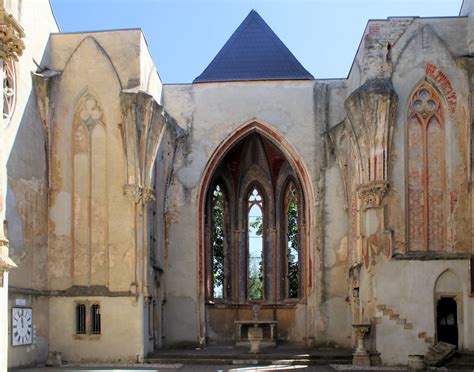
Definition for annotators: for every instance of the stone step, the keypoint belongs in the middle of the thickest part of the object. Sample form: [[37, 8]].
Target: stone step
[[247, 361], [462, 361], [250, 359]]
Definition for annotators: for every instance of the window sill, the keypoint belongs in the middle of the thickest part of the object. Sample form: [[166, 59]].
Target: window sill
[[87, 337], [288, 304], [430, 256]]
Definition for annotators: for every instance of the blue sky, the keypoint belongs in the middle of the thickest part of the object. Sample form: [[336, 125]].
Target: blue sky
[[185, 35]]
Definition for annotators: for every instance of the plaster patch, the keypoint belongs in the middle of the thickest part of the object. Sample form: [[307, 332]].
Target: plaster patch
[[280, 119], [61, 220], [191, 173], [371, 222], [330, 258], [15, 225]]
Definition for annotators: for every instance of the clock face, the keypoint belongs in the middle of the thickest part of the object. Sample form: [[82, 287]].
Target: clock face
[[22, 320]]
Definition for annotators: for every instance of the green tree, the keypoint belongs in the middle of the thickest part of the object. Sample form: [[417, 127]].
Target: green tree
[[218, 236]]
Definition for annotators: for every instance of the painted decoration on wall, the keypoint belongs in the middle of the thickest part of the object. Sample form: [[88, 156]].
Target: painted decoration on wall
[[22, 326], [426, 170]]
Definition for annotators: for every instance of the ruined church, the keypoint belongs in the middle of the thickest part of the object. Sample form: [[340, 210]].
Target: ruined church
[[139, 216]]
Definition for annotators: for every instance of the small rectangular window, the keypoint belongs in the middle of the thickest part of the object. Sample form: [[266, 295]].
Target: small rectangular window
[[95, 319], [80, 319]]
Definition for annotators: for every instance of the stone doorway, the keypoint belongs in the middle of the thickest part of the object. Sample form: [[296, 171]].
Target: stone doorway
[[446, 320]]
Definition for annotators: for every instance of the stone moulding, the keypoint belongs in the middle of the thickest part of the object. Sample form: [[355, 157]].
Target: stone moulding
[[371, 111], [138, 194], [144, 122], [11, 35]]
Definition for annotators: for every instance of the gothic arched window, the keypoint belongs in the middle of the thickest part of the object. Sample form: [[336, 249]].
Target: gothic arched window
[[291, 241], [218, 223], [426, 170], [255, 228]]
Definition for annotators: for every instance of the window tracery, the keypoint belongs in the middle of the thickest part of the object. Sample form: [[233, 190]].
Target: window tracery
[[426, 170], [255, 245], [9, 89], [253, 223]]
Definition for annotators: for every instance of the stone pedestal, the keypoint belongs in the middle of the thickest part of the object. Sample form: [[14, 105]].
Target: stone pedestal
[[360, 357], [416, 361], [255, 335], [375, 360]]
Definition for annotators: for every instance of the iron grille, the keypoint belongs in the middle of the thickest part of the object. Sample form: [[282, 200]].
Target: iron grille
[[80, 319], [95, 319]]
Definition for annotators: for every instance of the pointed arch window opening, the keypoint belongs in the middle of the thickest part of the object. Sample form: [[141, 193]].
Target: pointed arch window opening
[[292, 241], [255, 240], [218, 210], [252, 248], [426, 170]]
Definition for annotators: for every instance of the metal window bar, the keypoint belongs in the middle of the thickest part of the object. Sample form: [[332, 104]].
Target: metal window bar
[[95, 319], [80, 319]]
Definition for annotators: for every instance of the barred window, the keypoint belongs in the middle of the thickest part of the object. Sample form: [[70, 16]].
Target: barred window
[[80, 319], [95, 319]]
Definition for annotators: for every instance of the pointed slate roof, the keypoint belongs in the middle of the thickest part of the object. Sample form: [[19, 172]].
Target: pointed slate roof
[[254, 52]]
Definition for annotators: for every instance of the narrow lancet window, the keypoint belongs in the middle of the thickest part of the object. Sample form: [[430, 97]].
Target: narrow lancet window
[[292, 241], [426, 170], [218, 238], [255, 245]]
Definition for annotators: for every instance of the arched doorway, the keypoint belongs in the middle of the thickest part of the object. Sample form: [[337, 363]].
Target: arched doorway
[[447, 320], [254, 237], [448, 296]]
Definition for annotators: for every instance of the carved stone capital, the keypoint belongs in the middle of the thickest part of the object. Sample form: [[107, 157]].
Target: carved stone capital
[[133, 193], [11, 35], [148, 195], [372, 194], [137, 194], [361, 329]]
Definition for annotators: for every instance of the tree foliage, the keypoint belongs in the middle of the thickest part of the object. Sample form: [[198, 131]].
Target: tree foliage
[[292, 250], [218, 235]]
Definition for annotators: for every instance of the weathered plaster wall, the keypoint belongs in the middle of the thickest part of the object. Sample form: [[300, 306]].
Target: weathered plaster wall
[[417, 304], [70, 261], [4, 323], [336, 307], [122, 334], [211, 113], [398, 296], [26, 193], [37, 352], [122, 47], [422, 48], [99, 184]]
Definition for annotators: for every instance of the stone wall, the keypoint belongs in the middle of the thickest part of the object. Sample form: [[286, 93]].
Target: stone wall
[[26, 193]]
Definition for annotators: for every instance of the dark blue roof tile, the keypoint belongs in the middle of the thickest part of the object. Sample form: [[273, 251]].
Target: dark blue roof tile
[[254, 52]]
